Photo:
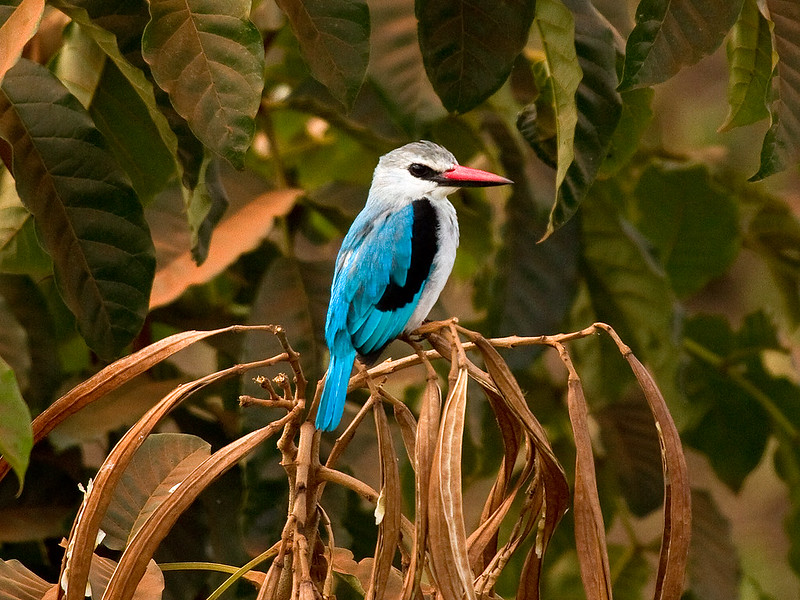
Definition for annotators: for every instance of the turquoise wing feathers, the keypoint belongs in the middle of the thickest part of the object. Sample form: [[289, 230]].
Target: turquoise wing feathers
[[375, 252]]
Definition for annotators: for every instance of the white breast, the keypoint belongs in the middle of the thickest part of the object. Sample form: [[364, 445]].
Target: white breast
[[442, 262]]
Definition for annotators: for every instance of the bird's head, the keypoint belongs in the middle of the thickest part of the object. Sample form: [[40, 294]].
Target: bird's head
[[424, 169]]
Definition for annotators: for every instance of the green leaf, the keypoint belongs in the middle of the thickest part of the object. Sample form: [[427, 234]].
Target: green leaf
[[86, 212], [209, 58], [532, 285], [628, 290], [145, 148], [209, 202], [714, 569], [395, 63], [124, 120], [557, 30], [40, 376], [750, 60], [727, 380], [633, 452], [633, 122], [599, 107], [631, 572], [79, 64], [781, 148], [125, 19], [154, 123], [162, 462], [334, 40], [16, 435], [773, 232], [20, 251], [670, 34], [691, 222], [469, 47]]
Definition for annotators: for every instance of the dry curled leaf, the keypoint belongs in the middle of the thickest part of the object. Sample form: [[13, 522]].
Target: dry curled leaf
[[448, 538]]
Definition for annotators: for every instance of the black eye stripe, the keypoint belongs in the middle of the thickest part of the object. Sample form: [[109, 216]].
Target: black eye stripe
[[421, 171]]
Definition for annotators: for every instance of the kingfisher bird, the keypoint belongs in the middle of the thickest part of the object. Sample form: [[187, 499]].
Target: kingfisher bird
[[394, 260]]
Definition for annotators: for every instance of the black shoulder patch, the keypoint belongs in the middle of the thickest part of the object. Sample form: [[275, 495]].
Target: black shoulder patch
[[424, 243]]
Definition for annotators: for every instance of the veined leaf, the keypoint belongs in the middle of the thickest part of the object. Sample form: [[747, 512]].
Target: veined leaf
[[124, 120], [20, 583], [139, 85], [469, 47], [158, 467], [42, 375], [395, 63], [781, 148], [125, 19], [334, 41], [773, 233], [532, 284], [16, 435], [88, 215], [633, 122], [145, 148], [692, 224], [598, 105], [628, 290], [557, 29], [727, 380], [211, 64], [16, 28], [634, 456], [750, 60], [79, 64], [715, 572], [670, 34]]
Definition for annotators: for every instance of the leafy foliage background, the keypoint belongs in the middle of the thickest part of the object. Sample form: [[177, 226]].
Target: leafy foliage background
[[654, 150]]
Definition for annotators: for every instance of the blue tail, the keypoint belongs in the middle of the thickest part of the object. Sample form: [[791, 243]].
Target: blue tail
[[331, 405]]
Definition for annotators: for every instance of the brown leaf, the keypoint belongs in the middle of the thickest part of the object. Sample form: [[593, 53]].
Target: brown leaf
[[145, 542], [482, 543], [548, 493], [408, 428], [162, 463], [358, 574], [113, 376], [677, 494], [84, 531], [150, 586], [20, 583], [590, 533], [237, 233], [389, 526], [424, 448], [448, 539], [17, 30]]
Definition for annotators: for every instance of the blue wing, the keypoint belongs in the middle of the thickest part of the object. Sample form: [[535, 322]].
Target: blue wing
[[375, 252]]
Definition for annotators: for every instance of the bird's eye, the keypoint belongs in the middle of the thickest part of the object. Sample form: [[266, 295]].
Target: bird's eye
[[421, 171]]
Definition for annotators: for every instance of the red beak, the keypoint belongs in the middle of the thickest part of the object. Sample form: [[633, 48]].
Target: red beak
[[460, 176]]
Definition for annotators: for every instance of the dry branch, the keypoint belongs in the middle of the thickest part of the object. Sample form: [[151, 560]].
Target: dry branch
[[529, 494]]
